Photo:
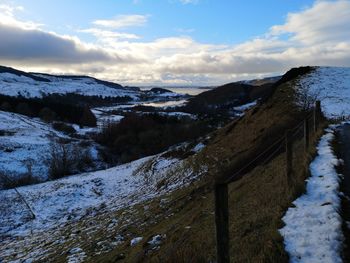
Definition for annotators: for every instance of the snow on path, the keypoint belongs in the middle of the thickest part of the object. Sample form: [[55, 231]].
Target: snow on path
[[313, 227], [331, 85]]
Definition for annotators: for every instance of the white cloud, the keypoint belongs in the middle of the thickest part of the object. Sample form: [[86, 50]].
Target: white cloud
[[7, 16], [325, 21], [185, 2], [108, 38], [123, 21], [37, 46], [26, 44], [318, 35]]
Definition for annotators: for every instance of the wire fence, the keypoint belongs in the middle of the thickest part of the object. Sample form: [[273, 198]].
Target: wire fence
[[21, 197], [299, 134]]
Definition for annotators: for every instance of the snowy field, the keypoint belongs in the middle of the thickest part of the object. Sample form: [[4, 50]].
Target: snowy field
[[331, 85], [14, 85]]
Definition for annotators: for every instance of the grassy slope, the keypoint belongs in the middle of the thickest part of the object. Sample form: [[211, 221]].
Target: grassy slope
[[257, 201]]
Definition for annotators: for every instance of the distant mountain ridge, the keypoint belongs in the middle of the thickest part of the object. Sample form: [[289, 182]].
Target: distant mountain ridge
[[15, 82], [259, 82], [45, 77], [16, 72]]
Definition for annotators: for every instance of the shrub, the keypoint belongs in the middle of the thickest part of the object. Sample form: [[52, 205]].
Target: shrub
[[60, 162], [24, 108], [5, 106], [88, 118], [63, 127], [47, 115], [9, 182], [21, 180], [66, 159]]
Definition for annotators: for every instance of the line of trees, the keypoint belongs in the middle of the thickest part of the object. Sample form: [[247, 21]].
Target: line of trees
[[49, 109], [136, 136]]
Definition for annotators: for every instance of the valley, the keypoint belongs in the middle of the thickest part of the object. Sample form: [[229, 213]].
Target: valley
[[132, 199]]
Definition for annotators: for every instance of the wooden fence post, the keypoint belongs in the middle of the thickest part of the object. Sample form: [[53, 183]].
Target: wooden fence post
[[317, 115], [289, 154], [306, 134], [221, 221]]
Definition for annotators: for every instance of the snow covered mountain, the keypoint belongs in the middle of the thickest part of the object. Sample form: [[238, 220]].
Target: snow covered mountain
[[14, 82]]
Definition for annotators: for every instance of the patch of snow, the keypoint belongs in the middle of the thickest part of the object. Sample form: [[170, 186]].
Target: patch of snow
[[135, 241], [76, 255], [330, 85], [75, 250], [198, 147], [245, 107], [178, 114], [165, 104], [313, 230], [156, 240], [104, 117]]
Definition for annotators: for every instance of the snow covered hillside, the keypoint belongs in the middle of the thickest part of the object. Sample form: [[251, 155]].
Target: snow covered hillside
[[59, 204], [14, 85], [330, 85], [25, 144]]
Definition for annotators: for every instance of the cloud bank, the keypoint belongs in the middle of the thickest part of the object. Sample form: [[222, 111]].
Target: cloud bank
[[318, 35]]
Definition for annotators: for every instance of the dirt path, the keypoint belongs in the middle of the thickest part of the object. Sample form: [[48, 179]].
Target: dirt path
[[343, 151]]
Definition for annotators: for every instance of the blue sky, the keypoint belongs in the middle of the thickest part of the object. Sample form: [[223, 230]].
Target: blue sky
[[210, 21], [173, 42]]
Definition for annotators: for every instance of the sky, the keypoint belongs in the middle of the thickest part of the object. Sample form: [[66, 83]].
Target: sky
[[173, 42]]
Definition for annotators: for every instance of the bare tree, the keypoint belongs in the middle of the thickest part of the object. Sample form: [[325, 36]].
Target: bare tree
[[306, 96], [66, 158], [59, 161]]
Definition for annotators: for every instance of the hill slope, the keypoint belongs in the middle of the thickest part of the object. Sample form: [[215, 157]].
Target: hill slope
[[330, 85], [228, 96], [14, 82]]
